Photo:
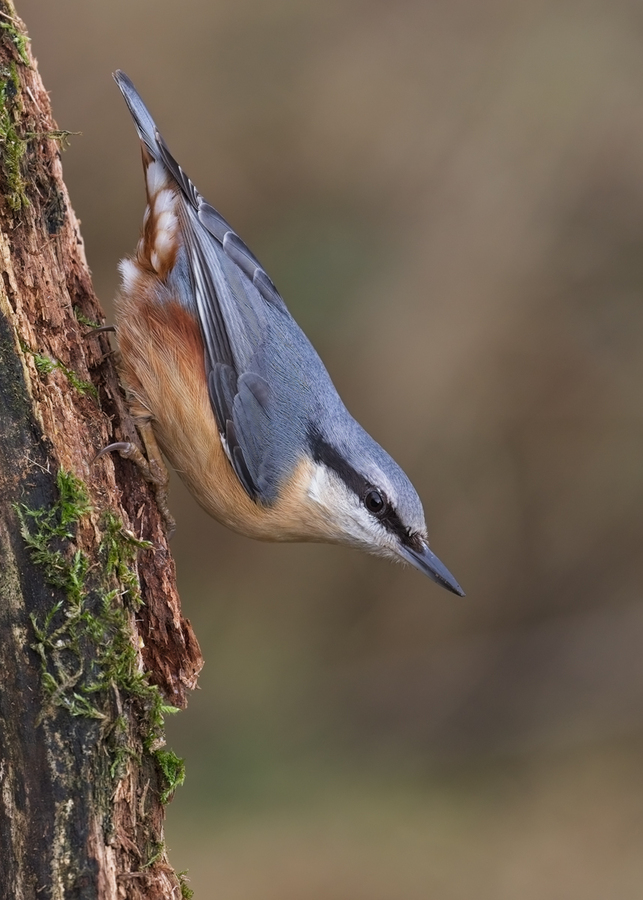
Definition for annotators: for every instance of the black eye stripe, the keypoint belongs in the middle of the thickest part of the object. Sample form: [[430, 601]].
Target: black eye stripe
[[392, 522], [323, 452]]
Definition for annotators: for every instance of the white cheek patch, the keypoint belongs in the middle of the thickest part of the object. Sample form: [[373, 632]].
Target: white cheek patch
[[348, 519], [338, 506]]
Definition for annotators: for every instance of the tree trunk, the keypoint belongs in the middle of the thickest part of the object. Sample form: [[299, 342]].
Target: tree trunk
[[93, 647]]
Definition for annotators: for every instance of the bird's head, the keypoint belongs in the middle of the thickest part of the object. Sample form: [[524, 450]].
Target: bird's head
[[367, 501]]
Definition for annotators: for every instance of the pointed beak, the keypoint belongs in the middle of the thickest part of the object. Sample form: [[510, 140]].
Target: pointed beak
[[426, 561]]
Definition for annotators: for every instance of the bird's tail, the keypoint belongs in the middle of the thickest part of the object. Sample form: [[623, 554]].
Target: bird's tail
[[145, 125], [154, 144]]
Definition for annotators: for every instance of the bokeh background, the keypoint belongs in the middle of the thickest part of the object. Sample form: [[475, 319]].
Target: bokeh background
[[449, 195]]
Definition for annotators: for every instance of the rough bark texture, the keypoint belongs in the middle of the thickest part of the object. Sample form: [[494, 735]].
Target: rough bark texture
[[92, 641]]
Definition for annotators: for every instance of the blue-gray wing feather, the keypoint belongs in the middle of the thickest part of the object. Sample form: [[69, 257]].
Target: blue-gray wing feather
[[233, 323]]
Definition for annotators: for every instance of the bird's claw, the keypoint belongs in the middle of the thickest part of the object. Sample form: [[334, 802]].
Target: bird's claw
[[99, 329], [153, 471]]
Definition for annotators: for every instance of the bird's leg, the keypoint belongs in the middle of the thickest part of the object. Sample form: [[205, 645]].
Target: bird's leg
[[158, 474], [151, 464]]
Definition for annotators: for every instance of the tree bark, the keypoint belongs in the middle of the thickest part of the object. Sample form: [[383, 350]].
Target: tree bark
[[93, 647]]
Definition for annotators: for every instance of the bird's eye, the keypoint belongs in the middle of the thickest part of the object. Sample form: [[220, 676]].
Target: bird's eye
[[374, 502]]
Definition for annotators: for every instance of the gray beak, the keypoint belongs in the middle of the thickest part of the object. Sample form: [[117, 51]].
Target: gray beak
[[426, 561]]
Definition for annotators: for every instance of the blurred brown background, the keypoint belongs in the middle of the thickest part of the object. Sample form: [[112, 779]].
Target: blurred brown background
[[449, 196]]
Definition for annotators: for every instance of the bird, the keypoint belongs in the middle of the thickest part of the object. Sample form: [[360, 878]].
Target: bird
[[224, 383]]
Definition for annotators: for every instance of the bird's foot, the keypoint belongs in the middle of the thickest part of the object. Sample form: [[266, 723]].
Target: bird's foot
[[150, 464], [96, 332]]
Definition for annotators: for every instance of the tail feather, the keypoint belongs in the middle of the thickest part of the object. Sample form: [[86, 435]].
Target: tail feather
[[205, 219], [145, 125]]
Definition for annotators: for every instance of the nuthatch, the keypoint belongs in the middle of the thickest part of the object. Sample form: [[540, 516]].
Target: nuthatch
[[221, 375]]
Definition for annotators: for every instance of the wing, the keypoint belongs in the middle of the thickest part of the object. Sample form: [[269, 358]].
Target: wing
[[234, 300]]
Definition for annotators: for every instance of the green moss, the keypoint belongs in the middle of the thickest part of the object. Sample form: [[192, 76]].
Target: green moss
[[45, 365], [19, 40], [42, 529], [82, 318], [13, 140], [121, 751], [62, 137], [83, 387], [157, 851], [172, 769], [85, 642], [186, 892], [118, 549], [12, 146]]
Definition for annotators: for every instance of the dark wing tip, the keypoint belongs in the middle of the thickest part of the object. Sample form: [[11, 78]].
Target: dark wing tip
[[239, 463]]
